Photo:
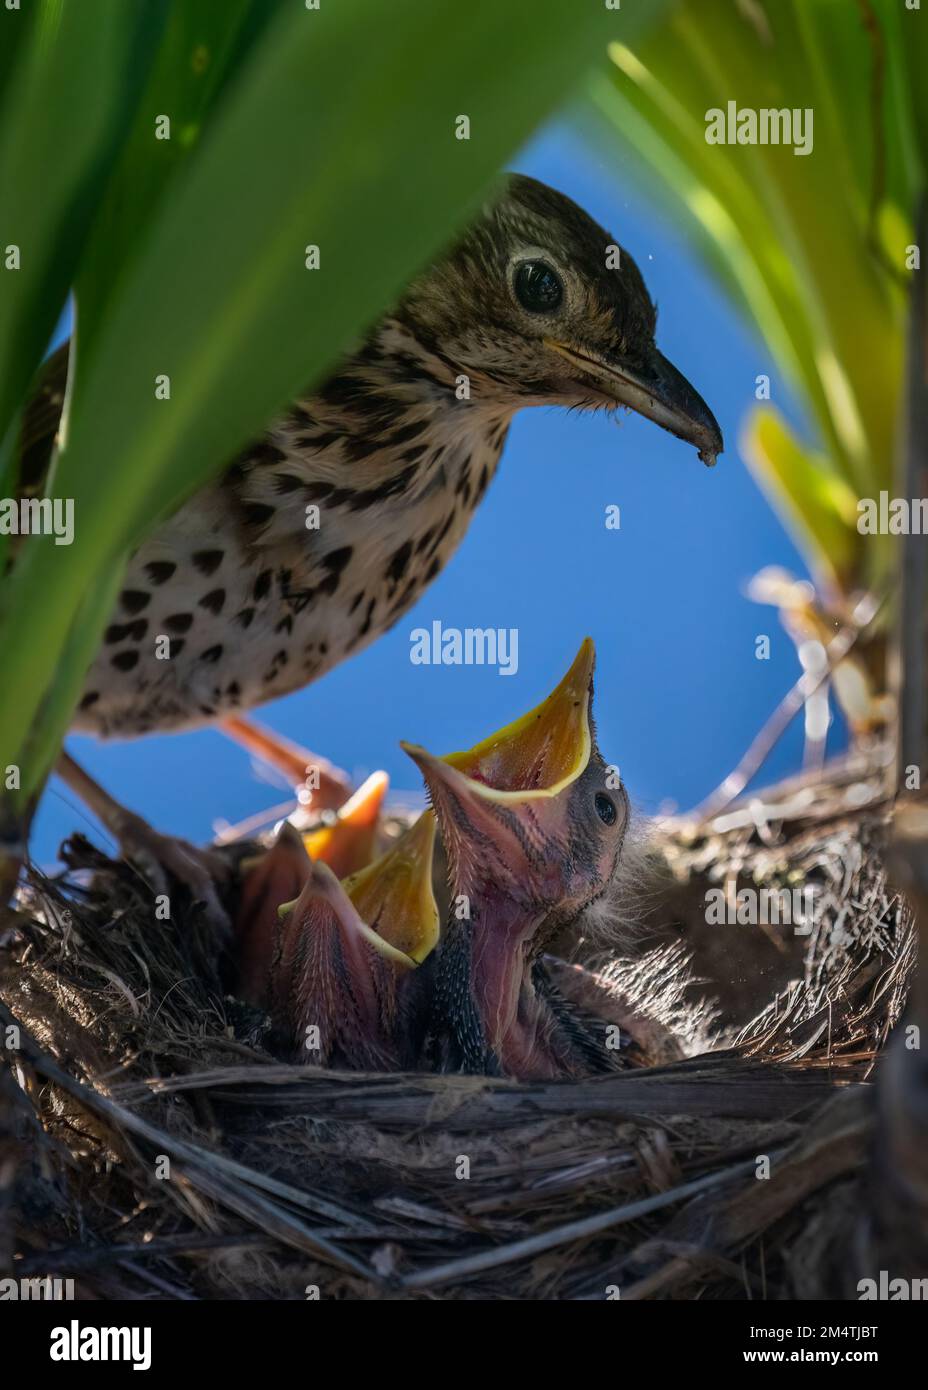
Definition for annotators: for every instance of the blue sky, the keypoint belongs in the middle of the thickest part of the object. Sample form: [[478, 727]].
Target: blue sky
[[679, 692]]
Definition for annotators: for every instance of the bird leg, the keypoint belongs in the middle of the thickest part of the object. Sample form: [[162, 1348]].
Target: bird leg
[[156, 855], [319, 784]]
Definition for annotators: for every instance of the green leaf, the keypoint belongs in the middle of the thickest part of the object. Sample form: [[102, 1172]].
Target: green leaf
[[818, 507], [15, 29], [68, 91], [810, 247], [202, 49]]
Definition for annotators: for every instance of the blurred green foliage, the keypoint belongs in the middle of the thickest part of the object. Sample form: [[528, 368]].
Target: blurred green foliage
[[812, 247]]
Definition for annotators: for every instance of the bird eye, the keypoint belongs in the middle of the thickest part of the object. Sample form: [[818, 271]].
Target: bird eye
[[605, 809], [538, 287]]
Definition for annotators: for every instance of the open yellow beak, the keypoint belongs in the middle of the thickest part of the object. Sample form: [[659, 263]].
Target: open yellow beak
[[323, 888], [348, 843], [533, 758], [394, 895]]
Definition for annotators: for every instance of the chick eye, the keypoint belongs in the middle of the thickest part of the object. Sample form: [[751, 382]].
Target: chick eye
[[538, 287], [605, 809]]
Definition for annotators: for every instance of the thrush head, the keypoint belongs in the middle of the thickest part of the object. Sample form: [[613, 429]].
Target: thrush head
[[337, 981], [541, 306]]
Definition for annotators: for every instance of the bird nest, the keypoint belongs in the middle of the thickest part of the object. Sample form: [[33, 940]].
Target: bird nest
[[155, 1148]]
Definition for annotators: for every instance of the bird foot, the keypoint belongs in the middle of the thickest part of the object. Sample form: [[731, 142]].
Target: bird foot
[[161, 858], [158, 857]]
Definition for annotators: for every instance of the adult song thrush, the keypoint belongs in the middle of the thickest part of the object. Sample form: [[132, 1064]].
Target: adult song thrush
[[394, 454], [531, 306]]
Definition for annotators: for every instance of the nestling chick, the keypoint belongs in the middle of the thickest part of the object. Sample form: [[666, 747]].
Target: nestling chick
[[341, 993], [279, 874], [533, 823]]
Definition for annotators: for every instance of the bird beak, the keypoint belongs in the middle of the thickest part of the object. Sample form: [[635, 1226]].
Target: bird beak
[[655, 390], [268, 880], [347, 843], [501, 797], [329, 971], [540, 753], [324, 904], [394, 895]]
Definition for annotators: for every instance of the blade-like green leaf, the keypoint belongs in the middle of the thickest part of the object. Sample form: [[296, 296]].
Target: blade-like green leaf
[[15, 28], [202, 49], [811, 246], [66, 101], [818, 507]]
